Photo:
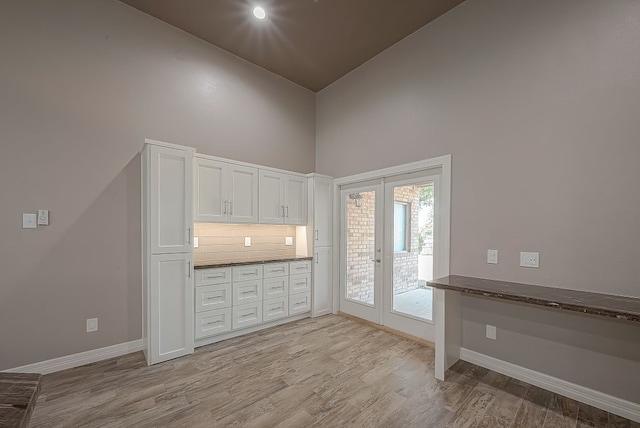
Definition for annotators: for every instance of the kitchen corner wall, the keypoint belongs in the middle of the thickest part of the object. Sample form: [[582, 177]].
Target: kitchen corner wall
[[83, 83], [219, 243], [537, 102]]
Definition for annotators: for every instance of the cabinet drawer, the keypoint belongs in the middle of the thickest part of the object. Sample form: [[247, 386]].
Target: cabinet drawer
[[275, 287], [247, 292], [299, 303], [213, 322], [276, 269], [246, 315], [213, 276], [274, 309], [300, 283], [300, 267], [245, 273], [210, 297]]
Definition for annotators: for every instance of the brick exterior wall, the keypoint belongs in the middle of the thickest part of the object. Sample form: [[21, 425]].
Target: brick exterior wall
[[361, 246]]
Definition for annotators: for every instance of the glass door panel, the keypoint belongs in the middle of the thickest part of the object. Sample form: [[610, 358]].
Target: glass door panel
[[361, 226], [413, 250]]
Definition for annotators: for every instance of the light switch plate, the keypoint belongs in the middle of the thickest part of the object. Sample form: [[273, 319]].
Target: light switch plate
[[29, 221], [247, 241], [288, 240], [531, 260], [92, 324], [492, 257], [196, 242], [491, 332]]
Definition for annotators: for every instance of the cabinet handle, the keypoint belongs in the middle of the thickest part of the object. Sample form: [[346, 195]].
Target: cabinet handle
[[249, 273], [188, 269], [282, 206], [189, 235], [287, 207], [215, 276], [316, 234], [317, 258], [214, 297], [213, 322], [230, 207], [248, 315], [225, 207]]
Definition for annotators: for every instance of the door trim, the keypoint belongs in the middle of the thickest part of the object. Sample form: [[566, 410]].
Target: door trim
[[444, 229]]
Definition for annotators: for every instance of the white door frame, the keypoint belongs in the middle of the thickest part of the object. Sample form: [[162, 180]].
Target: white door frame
[[441, 263]]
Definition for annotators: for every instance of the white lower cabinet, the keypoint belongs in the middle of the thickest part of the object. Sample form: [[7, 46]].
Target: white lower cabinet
[[213, 322], [300, 283], [275, 309], [211, 297], [229, 299], [247, 292], [246, 315], [299, 303]]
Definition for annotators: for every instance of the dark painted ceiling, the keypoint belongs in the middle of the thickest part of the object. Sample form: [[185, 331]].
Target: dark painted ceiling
[[310, 42]]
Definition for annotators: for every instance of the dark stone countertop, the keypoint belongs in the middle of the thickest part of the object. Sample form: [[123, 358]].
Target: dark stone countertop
[[606, 305], [18, 396], [247, 262]]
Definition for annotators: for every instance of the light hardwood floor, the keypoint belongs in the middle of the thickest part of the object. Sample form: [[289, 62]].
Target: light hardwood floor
[[328, 372]]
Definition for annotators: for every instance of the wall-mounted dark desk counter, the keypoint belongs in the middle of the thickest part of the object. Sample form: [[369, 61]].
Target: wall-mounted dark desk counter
[[448, 310]]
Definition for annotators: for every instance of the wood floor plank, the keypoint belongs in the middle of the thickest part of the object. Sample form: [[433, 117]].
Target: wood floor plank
[[325, 372]]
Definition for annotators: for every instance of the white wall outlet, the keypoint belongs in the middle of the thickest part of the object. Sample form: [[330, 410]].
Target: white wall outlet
[[531, 260], [492, 257], [92, 324], [29, 221], [491, 331], [43, 217], [288, 240], [196, 242], [247, 241]]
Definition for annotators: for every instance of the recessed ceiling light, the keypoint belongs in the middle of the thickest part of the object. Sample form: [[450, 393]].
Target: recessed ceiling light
[[259, 12]]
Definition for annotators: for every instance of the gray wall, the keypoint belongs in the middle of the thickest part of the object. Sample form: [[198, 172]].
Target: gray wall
[[82, 83], [537, 102]]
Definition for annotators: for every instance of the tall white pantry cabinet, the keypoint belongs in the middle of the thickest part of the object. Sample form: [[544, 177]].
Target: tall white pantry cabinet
[[167, 228], [320, 235]]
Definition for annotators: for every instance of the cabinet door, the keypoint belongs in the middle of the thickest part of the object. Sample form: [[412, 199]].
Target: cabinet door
[[295, 195], [322, 282], [323, 212], [243, 194], [170, 316], [170, 189], [271, 197], [210, 180]]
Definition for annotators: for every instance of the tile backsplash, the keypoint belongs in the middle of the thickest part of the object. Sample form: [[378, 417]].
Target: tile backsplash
[[225, 242]]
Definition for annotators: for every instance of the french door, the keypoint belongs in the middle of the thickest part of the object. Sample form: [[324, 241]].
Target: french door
[[389, 250]]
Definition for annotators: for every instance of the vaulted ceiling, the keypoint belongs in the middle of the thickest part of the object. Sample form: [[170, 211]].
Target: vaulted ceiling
[[310, 42]]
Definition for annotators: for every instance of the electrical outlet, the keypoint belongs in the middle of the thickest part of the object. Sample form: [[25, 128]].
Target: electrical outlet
[[247, 241], [531, 260], [492, 257], [43, 217], [92, 324], [491, 331], [288, 240]]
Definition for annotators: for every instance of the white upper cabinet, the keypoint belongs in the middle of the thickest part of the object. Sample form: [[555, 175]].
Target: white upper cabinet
[[170, 199], [243, 194], [322, 212], [283, 198], [225, 193], [295, 196], [271, 197], [210, 190]]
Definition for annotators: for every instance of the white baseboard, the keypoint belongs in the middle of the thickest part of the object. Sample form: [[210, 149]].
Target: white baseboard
[[80, 359], [615, 405]]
